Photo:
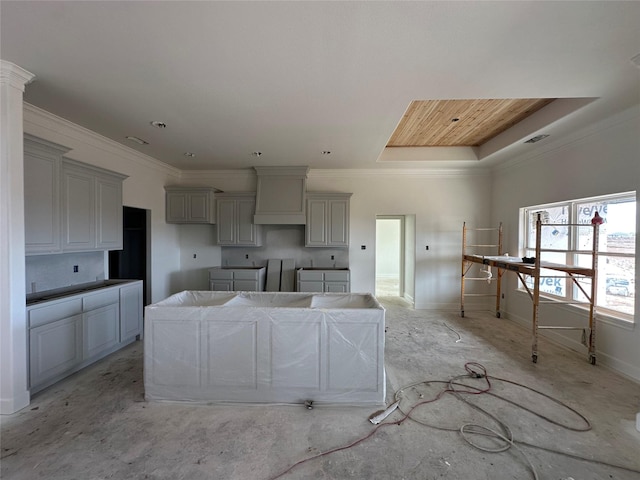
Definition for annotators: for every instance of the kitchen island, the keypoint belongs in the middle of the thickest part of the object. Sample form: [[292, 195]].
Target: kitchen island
[[265, 347]]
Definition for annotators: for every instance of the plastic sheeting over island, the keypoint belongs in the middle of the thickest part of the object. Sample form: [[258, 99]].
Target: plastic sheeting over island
[[265, 347]]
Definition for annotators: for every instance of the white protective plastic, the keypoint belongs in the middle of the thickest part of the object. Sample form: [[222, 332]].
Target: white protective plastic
[[265, 347]]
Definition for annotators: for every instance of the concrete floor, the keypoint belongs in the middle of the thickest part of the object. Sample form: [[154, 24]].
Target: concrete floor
[[96, 424]]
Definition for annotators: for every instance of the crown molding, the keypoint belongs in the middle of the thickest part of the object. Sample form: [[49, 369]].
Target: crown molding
[[39, 118], [560, 144], [14, 75], [409, 172]]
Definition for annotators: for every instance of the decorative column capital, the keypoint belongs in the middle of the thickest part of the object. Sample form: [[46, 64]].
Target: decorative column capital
[[14, 75]]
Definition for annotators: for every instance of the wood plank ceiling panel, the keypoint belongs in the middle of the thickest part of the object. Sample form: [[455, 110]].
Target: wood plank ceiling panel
[[460, 123]]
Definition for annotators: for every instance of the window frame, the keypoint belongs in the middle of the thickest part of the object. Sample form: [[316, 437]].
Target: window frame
[[569, 291]]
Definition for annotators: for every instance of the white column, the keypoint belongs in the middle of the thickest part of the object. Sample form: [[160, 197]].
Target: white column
[[14, 393]]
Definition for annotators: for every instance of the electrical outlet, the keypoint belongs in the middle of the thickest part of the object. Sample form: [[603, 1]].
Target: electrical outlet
[[333, 257], [75, 269], [194, 255], [247, 256], [363, 247]]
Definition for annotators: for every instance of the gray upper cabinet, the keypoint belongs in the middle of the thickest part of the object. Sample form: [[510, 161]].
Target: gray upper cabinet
[[91, 208], [190, 204], [235, 227], [327, 220], [69, 206], [42, 160]]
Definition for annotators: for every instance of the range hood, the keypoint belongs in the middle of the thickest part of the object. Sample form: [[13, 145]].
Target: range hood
[[281, 195]]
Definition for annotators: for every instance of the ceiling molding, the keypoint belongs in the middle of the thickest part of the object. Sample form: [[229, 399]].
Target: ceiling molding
[[559, 144], [41, 119], [413, 172]]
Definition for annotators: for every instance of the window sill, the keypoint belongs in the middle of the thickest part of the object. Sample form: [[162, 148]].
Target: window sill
[[608, 318]]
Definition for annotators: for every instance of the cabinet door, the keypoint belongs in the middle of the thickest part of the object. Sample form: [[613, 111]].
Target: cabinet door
[[41, 201], [101, 329], [247, 232], [338, 223], [108, 214], [176, 205], [226, 227], [78, 210], [316, 230], [54, 349], [198, 207], [130, 311]]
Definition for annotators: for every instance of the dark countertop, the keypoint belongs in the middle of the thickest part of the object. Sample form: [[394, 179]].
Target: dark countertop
[[57, 293]]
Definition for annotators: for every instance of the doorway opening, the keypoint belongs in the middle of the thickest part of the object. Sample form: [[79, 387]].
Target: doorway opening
[[395, 256], [133, 261]]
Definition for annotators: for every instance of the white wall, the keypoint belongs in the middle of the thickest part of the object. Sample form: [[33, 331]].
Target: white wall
[[440, 201], [599, 160]]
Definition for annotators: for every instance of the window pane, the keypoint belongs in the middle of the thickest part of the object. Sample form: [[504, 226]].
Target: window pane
[[556, 237], [618, 232]]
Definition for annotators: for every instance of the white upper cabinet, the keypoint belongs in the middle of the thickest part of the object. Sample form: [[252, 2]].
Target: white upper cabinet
[[91, 208], [190, 204], [69, 206], [327, 220], [42, 160], [234, 212]]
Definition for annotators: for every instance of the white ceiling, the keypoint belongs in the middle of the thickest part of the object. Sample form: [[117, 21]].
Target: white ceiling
[[291, 79]]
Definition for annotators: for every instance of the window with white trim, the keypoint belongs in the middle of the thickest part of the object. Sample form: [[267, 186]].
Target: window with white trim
[[616, 249]]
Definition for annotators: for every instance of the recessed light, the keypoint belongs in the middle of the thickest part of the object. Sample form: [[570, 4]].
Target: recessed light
[[137, 140], [158, 124], [189, 154], [256, 154], [537, 138]]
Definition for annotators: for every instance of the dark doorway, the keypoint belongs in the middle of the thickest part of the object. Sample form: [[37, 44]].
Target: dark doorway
[[131, 261]]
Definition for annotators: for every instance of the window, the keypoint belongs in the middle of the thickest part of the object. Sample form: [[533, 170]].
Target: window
[[572, 246]]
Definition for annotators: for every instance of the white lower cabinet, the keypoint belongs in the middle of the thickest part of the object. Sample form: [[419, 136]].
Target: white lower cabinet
[[330, 280], [101, 329], [237, 279], [131, 302], [69, 333], [55, 348]]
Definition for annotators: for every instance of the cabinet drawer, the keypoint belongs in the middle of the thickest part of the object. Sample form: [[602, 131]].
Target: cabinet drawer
[[219, 274], [307, 275], [339, 276], [245, 274], [100, 299], [57, 311], [311, 286], [245, 285]]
